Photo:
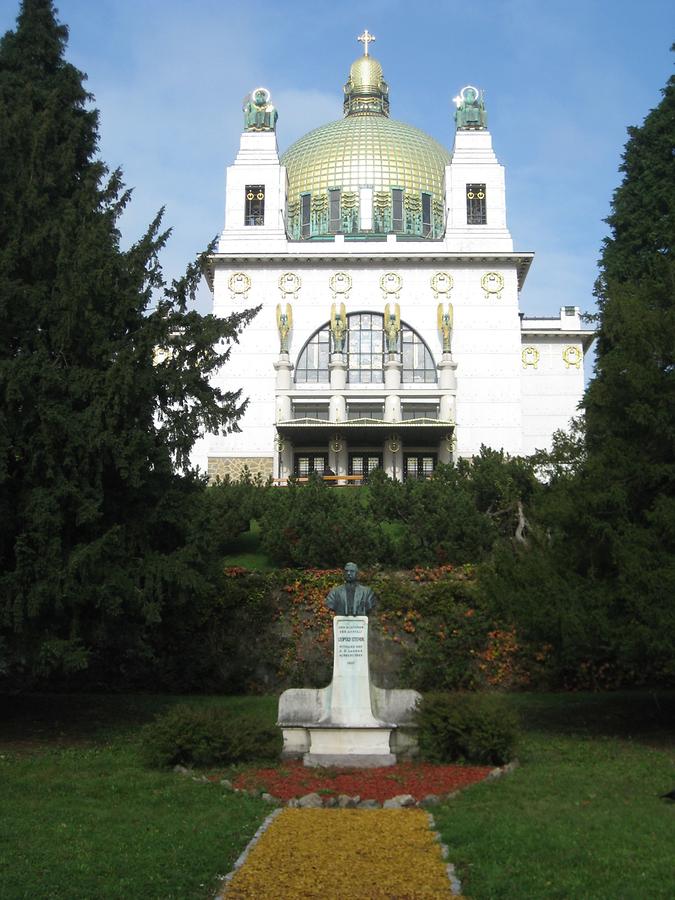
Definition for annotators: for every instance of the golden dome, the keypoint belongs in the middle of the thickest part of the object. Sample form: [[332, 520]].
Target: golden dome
[[365, 151], [396, 170]]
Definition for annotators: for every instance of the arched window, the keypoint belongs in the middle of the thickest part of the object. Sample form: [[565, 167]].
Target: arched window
[[366, 353]]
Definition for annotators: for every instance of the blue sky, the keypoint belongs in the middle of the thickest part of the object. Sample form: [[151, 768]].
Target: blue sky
[[563, 80]]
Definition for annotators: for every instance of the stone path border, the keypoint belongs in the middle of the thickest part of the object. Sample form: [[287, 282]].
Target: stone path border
[[241, 859]]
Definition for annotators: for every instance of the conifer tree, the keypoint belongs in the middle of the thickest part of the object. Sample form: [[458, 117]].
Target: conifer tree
[[104, 386], [623, 533]]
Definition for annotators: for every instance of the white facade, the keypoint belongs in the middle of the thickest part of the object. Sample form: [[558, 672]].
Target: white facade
[[508, 382]]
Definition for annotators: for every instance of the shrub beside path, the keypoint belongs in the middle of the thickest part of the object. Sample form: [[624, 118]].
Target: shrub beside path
[[345, 854]]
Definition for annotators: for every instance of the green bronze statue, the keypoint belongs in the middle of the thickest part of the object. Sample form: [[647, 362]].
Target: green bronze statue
[[351, 598], [259, 113], [471, 114]]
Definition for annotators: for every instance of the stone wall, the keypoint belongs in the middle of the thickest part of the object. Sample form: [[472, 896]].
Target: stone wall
[[222, 466]]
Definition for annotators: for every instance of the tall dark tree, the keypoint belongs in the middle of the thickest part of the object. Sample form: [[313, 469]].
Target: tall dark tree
[[629, 476], [104, 386], [599, 583]]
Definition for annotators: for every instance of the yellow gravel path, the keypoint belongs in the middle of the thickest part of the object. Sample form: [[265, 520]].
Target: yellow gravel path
[[343, 854]]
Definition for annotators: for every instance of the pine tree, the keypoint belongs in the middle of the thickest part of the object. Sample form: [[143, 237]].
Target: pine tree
[[628, 479], [104, 386]]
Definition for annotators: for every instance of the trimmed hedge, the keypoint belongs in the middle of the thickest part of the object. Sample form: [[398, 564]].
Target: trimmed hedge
[[203, 736], [475, 728]]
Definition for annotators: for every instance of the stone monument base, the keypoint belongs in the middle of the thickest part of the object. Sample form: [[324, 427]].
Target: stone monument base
[[351, 722], [361, 747]]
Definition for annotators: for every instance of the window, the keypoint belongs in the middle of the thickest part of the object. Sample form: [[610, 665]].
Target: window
[[334, 214], [365, 411], [570, 310], [363, 464], [255, 204], [418, 363], [418, 465], [365, 348], [419, 411], [305, 464], [305, 206], [397, 210], [312, 363], [475, 205], [365, 353], [426, 215], [308, 411]]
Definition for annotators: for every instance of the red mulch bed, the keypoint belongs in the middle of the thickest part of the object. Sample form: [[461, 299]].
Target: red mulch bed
[[293, 779]]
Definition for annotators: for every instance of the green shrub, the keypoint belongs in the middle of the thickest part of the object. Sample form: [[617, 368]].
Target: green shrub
[[313, 524], [199, 736], [475, 728]]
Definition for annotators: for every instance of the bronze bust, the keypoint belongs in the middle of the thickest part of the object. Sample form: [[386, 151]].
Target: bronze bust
[[351, 598]]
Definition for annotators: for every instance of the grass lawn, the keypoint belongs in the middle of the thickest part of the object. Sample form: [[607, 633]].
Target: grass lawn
[[82, 818]]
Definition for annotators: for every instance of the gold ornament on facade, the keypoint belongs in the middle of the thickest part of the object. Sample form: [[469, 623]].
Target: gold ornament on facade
[[392, 326], [493, 284], [340, 283], [390, 283], [444, 320], [289, 283], [338, 327], [284, 325], [530, 357], [336, 443], [441, 283], [572, 356], [394, 443], [239, 284]]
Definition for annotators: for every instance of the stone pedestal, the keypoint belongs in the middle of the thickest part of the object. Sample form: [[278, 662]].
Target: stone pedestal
[[336, 726]]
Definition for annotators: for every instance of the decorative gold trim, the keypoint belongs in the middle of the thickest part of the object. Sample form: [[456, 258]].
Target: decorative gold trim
[[572, 356], [530, 357], [441, 283], [340, 283], [239, 284], [390, 283], [492, 283], [289, 283]]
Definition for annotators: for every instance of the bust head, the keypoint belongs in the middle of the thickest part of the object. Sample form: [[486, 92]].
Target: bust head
[[351, 572]]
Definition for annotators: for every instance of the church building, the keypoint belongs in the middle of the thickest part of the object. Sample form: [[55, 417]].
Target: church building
[[390, 333]]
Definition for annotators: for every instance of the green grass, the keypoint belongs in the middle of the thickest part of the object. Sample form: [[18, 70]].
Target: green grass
[[93, 823], [245, 551], [82, 818], [582, 817]]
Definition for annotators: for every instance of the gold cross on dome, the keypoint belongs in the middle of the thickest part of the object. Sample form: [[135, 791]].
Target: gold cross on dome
[[365, 39]]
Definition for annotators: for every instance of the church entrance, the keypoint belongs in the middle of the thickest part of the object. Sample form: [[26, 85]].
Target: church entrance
[[363, 463]]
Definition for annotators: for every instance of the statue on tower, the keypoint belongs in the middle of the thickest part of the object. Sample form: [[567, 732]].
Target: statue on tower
[[471, 114], [259, 113], [338, 327], [445, 319]]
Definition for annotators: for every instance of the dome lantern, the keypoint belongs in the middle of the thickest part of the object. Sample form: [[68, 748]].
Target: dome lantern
[[366, 91]]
